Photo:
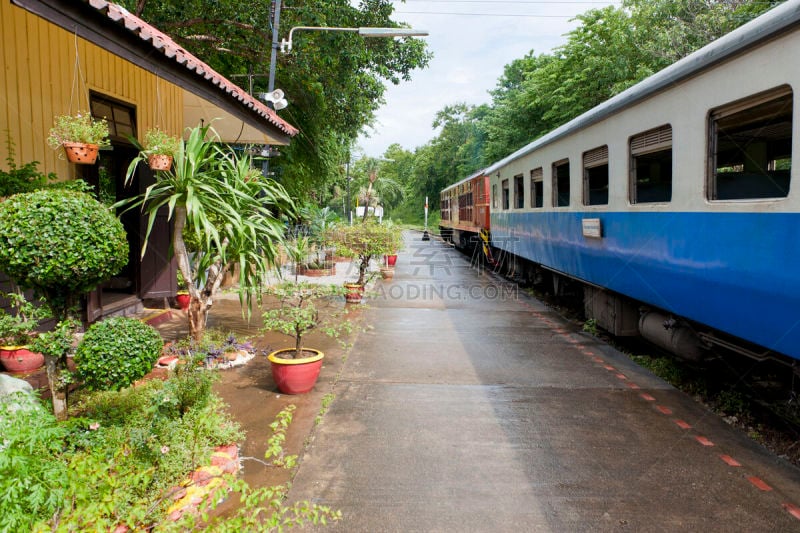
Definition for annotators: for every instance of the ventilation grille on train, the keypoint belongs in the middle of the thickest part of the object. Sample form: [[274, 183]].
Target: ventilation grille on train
[[652, 141], [596, 157]]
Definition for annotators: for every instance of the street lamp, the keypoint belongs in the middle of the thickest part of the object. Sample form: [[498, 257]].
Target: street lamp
[[286, 44]]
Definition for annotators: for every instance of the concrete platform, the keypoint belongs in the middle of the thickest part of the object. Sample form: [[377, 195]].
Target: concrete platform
[[469, 406]]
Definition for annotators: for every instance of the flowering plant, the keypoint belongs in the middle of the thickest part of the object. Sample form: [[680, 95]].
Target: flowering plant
[[157, 141], [80, 128]]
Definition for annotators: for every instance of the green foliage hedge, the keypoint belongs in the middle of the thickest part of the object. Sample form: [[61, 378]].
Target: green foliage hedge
[[116, 352], [114, 462], [61, 243]]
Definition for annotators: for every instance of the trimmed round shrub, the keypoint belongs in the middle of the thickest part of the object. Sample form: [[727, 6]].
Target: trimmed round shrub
[[61, 243], [116, 352]]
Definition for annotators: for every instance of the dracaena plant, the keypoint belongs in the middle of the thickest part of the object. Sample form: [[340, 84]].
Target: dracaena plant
[[232, 211]]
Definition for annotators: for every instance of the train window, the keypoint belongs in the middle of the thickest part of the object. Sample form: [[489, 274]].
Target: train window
[[494, 196], [537, 189], [561, 183], [651, 166], [751, 148], [505, 195], [519, 192], [595, 176]]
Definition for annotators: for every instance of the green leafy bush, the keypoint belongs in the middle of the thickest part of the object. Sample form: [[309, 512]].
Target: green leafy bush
[[60, 243], [32, 484], [116, 352]]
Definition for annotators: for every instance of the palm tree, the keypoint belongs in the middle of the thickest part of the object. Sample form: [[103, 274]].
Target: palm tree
[[231, 212], [378, 187]]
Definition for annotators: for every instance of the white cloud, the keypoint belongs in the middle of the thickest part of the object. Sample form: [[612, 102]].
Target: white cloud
[[470, 53]]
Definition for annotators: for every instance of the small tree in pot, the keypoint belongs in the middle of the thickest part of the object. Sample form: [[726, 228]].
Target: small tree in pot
[[296, 369], [364, 241], [17, 331], [62, 244]]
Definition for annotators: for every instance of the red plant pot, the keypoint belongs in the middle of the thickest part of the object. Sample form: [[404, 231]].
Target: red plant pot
[[295, 376], [183, 301], [81, 153], [390, 260], [354, 294], [20, 359]]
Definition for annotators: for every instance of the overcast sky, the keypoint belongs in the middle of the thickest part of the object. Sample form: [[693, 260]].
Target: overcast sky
[[471, 41]]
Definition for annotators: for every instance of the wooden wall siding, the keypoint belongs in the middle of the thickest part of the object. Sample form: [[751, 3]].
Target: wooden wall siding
[[38, 81]]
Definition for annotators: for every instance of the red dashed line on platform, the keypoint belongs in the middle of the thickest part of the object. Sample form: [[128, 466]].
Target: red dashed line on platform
[[589, 353], [609, 367], [704, 441], [664, 410], [632, 385], [597, 360], [683, 425], [730, 461], [792, 509], [647, 397], [622, 376], [759, 483]]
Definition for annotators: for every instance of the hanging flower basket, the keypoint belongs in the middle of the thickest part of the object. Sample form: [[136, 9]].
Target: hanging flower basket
[[81, 153], [159, 161], [80, 135]]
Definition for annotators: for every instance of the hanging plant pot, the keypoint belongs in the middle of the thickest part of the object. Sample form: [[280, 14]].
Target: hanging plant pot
[[295, 376], [159, 161], [390, 260], [183, 299], [81, 153], [20, 359], [354, 294]]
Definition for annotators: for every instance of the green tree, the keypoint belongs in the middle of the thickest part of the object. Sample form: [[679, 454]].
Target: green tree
[[62, 244], [232, 211], [334, 81]]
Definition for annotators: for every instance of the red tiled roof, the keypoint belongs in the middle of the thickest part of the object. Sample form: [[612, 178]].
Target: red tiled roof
[[164, 44]]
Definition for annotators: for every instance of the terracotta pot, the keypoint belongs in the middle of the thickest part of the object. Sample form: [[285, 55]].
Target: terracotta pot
[[81, 153], [295, 376], [159, 161], [20, 359], [304, 270], [390, 260], [183, 300], [387, 272], [354, 294]]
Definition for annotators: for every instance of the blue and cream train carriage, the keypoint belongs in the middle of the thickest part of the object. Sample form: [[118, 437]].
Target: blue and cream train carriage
[[675, 203]]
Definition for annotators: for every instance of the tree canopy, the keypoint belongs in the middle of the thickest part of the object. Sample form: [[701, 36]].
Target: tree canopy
[[611, 49], [334, 81]]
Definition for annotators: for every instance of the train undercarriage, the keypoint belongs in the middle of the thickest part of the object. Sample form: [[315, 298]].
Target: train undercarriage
[[614, 313]]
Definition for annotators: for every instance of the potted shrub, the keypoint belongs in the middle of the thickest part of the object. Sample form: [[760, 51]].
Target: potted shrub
[[32, 228], [310, 253], [160, 148], [295, 370], [80, 135], [17, 331], [363, 241], [182, 296], [390, 259]]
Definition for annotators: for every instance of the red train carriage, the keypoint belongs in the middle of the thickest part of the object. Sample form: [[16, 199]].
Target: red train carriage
[[465, 211]]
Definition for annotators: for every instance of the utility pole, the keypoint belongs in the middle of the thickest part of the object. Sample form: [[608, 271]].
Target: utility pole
[[273, 55], [273, 63]]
